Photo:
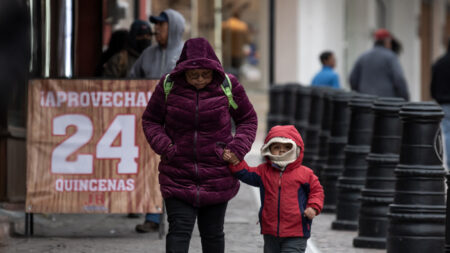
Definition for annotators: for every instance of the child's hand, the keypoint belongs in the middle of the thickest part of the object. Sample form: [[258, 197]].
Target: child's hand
[[310, 213], [230, 157]]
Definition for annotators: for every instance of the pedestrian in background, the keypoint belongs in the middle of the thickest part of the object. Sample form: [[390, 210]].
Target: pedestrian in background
[[291, 195], [440, 91], [378, 71], [117, 43], [327, 76], [159, 59], [138, 39], [188, 122], [156, 61]]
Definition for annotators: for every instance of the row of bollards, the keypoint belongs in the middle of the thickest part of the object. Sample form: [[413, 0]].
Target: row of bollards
[[379, 161]]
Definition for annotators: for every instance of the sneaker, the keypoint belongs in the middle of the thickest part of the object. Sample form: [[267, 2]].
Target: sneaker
[[148, 226]]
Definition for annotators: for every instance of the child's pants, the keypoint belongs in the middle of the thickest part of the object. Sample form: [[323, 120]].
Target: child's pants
[[274, 244]]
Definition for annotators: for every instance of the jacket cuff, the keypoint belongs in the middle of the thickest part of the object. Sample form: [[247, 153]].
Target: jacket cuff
[[315, 207], [238, 167]]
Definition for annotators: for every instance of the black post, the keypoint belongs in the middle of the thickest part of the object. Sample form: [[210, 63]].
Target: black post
[[336, 156], [302, 110], [417, 215], [378, 192], [271, 42], [275, 116], [314, 125], [352, 180], [289, 103], [324, 135], [447, 218]]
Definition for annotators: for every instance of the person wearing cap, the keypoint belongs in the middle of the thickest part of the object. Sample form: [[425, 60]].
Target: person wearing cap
[[155, 62], [138, 39], [440, 91], [161, 58], [378, 71], [327, 76]]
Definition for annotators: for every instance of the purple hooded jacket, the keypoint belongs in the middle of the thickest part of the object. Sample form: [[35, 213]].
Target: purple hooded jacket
[[198, 125]]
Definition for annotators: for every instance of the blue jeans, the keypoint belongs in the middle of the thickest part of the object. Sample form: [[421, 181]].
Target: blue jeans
[[154, 217], [274, 244], [445, 125]]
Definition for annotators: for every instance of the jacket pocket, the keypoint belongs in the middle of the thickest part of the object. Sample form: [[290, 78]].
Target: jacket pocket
[[169, 154]]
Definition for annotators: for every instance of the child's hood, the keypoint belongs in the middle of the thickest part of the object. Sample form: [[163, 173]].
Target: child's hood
[[290, 132], [197, 53]]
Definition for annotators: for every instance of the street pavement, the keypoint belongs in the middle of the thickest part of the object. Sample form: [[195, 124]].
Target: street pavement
[[74, 233]]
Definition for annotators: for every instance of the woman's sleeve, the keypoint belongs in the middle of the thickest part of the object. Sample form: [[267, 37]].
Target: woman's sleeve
[[245, 119], [153, 121]]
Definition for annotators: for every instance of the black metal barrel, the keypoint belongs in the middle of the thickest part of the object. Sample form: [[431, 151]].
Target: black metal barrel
[[324, 135], [353, 177], [303, 102], [275, 116], [338, 139], [289, 103], [313, 128], [379, 188], [447, 218], [417, 215]]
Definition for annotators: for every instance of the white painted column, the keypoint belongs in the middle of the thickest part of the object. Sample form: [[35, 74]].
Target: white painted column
[[322, 28], [286, 41], [359, 27], [404, 24], [439, 20]]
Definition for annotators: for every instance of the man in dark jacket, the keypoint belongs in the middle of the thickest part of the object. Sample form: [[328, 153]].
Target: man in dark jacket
[[378, 71], [440, 91]]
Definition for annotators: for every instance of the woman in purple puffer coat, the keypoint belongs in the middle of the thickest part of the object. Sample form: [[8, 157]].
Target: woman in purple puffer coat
[[189, 128]]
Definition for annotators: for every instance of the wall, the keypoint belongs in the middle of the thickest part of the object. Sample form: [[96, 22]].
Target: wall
[[404, 24], [286, 41], [322, 27]]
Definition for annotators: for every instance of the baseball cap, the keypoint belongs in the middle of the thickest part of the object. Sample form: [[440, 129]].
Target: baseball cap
[[381, 34], [139, 27], [161, 18]]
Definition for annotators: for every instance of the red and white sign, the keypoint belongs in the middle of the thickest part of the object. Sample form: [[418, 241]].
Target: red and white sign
[[86, 148]]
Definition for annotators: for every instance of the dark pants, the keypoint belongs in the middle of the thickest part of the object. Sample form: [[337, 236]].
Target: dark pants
[[182, 216], [274, 244]]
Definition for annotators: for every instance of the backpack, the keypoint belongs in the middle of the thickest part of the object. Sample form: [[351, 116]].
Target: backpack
[[226, 87]]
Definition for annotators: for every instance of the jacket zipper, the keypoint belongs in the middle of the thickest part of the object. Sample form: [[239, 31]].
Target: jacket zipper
[[195, 148], [279, 204]]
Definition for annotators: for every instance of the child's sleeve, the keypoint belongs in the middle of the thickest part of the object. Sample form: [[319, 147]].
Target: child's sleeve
[[316, 196], [247, 174]]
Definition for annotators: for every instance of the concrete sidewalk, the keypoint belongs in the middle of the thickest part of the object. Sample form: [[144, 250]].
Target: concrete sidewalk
[[115, 233]]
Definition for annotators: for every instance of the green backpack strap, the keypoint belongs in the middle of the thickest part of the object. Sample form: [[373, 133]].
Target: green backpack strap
[[226, 87], [168, 84]]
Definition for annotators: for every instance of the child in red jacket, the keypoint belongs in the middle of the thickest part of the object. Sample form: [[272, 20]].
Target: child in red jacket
[[291, 195]]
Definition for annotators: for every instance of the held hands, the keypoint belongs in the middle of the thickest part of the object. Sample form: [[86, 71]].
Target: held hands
[[230, 157], [310, 213]]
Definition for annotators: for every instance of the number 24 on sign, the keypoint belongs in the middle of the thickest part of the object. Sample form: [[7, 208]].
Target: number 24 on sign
[[127, 152]]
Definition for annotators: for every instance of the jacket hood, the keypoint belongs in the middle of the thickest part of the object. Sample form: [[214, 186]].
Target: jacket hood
[[176, 28], [197, 53], [290, 132]]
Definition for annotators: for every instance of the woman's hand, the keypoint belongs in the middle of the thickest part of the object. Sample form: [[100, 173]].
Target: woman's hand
[[230, 157], [310, 213]]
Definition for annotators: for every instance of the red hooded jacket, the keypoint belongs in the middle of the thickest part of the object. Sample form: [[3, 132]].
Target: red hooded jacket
[[284, 194]]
